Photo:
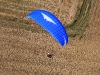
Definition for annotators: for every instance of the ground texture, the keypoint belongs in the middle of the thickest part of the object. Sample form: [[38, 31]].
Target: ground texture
[[25, 53]]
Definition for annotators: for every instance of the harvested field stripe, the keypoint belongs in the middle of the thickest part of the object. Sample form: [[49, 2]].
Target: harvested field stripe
[[13, 11]]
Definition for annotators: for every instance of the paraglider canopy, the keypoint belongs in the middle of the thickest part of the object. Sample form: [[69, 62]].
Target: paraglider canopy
[[51, 24]]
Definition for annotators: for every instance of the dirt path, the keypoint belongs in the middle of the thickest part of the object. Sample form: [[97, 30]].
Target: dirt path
[[24, 53]]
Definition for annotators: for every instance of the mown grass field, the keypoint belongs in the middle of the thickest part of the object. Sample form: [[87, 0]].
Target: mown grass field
[[24, 44]]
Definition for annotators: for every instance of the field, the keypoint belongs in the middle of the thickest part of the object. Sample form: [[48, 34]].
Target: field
[[24, 44]]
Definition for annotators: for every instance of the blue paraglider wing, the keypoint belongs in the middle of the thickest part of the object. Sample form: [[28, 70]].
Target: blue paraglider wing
[[51, 24]]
